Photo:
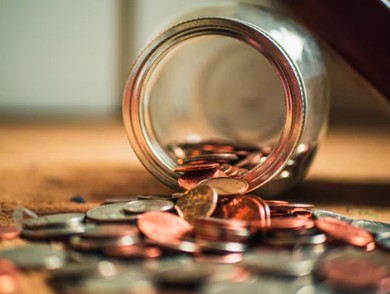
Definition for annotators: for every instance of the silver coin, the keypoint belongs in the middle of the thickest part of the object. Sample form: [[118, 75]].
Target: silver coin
[[21, 214], [227, 186], [207, 245], [55, 232], [383, 240], [279, 263], [297, 240], [110, 213], [181, 246], [140, 206], [372, 226], [86, 244], [54, 220], [107, 231], [318, 213], [35, 257]]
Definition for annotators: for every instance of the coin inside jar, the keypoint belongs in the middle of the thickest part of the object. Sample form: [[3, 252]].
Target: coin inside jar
[[140, 206]]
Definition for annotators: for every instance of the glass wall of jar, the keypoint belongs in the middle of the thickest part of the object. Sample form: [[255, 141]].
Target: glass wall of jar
[[230, 74]]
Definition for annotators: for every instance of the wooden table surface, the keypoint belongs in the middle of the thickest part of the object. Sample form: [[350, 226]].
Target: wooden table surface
[[44, 164]]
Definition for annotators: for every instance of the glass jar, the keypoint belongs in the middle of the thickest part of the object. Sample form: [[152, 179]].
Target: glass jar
[[230, 72]]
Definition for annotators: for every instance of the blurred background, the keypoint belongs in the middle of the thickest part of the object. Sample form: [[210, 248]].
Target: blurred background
[[71, 59], [63, 68]]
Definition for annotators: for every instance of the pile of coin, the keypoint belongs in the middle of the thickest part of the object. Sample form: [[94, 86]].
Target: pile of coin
[[213, 159], [213, 238]]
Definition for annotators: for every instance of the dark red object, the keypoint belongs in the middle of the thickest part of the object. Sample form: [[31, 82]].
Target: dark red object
[[358, 30]]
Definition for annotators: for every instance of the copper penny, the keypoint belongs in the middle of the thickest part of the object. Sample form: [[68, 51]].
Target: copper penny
[[194, 167], [290, 223], [191, 179], [9, 232], [215, 229], [227, 186], [8, 277], [353, 273], [200, 201], [217, 157], [343, 231], [163, 227], [289, 206], [111, 231], [244, 207], [275, 202], [133, 251]]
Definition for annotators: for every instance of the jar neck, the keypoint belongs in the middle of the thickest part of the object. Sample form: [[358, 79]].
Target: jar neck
[[135, 99]]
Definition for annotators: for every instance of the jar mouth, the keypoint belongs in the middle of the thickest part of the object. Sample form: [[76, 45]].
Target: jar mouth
[[136, 104]]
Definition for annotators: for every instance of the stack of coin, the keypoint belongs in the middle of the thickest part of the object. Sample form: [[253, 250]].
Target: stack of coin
[[209, 159], [106, 238], [54, 226], [267, 245]]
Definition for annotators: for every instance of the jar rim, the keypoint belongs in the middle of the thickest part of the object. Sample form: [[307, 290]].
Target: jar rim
[[133, 106]]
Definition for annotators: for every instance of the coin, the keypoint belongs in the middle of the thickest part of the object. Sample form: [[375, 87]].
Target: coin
[[54, 220], [286, 223], [244, 207], [227, 186], [140, 206], [193, 167], [179, 246], [154, 197], [217, 157], [197, 202], [8, 277], [318, 213], [373, 227], [191, 179], [214, 229], [51, 233], [163, 227], [88, 244], [133, 251], [207, 245], [383, 240], [343, 231], [118, 200], [110, 213], [21, 214], [353, 273], [108, 231], [35, 257], [290, 206], [9, 232]]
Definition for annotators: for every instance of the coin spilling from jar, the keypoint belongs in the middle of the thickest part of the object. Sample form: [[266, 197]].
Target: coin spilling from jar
[[212, 238]]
